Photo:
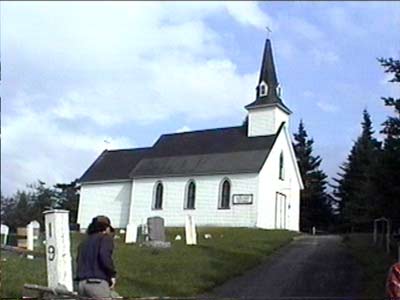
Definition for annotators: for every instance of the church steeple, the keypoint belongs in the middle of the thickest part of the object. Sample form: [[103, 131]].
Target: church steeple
[[268, 73], [267, 112], [268, 91]]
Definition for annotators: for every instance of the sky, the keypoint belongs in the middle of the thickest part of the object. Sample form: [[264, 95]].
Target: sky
[[81, 77]]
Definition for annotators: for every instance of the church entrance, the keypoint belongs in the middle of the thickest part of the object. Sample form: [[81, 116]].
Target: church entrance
[[280, 211]]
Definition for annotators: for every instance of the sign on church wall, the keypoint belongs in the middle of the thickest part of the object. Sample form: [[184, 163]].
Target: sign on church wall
[[242, 198]]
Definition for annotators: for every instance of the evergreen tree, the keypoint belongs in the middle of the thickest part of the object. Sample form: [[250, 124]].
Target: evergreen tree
[[16, 210], [69, 198], [355, 189], [389, 172], [315, 206], [7, 209], [43, 198]]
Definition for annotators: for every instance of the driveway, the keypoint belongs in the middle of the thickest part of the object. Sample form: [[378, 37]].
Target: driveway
[[311, 266]]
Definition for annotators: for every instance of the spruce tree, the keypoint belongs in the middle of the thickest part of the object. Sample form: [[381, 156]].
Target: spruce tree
[[389, 172], [355, 189], [315, 206]]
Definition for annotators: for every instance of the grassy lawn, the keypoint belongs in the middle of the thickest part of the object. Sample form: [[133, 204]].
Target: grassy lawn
[[374, 261], [179, 271]]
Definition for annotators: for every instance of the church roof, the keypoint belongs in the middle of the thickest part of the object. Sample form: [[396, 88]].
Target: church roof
[[268, 75], [206, 152], [113, 165]]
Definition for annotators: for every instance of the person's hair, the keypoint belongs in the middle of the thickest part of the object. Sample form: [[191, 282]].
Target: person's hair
[[96, 227]]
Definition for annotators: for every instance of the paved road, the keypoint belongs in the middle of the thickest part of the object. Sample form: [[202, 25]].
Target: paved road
[[312, 266]]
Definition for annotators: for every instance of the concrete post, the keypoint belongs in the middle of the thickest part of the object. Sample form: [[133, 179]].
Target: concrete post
[[58, 252]]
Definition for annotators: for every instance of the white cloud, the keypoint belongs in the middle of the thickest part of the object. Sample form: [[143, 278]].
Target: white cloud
[[327, 107], [73, 71], [248, 13], [36, 147], [183, 129]]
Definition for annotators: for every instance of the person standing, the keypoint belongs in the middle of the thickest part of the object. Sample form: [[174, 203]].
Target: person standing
[[96, 273]]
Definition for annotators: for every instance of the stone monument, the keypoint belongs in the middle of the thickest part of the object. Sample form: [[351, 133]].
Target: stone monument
[[156, 233]]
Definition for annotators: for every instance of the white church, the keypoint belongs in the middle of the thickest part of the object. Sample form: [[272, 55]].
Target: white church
[[242, 176]]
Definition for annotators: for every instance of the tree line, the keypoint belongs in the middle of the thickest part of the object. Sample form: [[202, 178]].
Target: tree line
[[25, 206], [366, 187], [368, 183]]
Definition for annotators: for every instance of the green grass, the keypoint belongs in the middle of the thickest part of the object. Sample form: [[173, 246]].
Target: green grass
[[179, 271], [374, 261]]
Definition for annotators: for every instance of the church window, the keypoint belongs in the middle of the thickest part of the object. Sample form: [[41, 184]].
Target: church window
[[190, 195], [158, 196], [281, 167], [225, 194]]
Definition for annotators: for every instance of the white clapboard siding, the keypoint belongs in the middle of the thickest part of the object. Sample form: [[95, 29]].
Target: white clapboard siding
[[206, 212], [265, 121], [270, 185], [108, 198]]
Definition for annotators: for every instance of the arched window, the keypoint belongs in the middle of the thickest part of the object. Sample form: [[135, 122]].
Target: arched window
[[190, 195], [281, 167], [225, 194], [158, 196], [263, 89]]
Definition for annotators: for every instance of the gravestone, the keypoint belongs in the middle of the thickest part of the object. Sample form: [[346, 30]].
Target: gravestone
[[4, 232], [156, 229], [36, 229], [29, 239], [156, 233], [190, 231], [131, 233]]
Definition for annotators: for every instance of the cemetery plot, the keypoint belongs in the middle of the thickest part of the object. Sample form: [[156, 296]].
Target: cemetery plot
[[220, 253]]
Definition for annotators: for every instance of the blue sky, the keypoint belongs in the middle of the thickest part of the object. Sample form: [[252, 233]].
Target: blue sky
[[78, 73]]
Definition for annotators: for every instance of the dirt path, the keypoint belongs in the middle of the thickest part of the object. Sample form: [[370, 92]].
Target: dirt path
[[312, 266]]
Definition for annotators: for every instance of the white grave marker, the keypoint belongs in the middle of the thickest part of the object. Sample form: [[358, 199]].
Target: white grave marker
[[36, 229], [131, 233], [190, 231], [58, 252], [29, 239], [4, 230]]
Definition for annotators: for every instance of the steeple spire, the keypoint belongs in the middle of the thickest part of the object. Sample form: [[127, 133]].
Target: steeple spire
[[268, 91], [267, 73]]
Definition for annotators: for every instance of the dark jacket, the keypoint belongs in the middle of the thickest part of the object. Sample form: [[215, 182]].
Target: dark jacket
[[94, 258]]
